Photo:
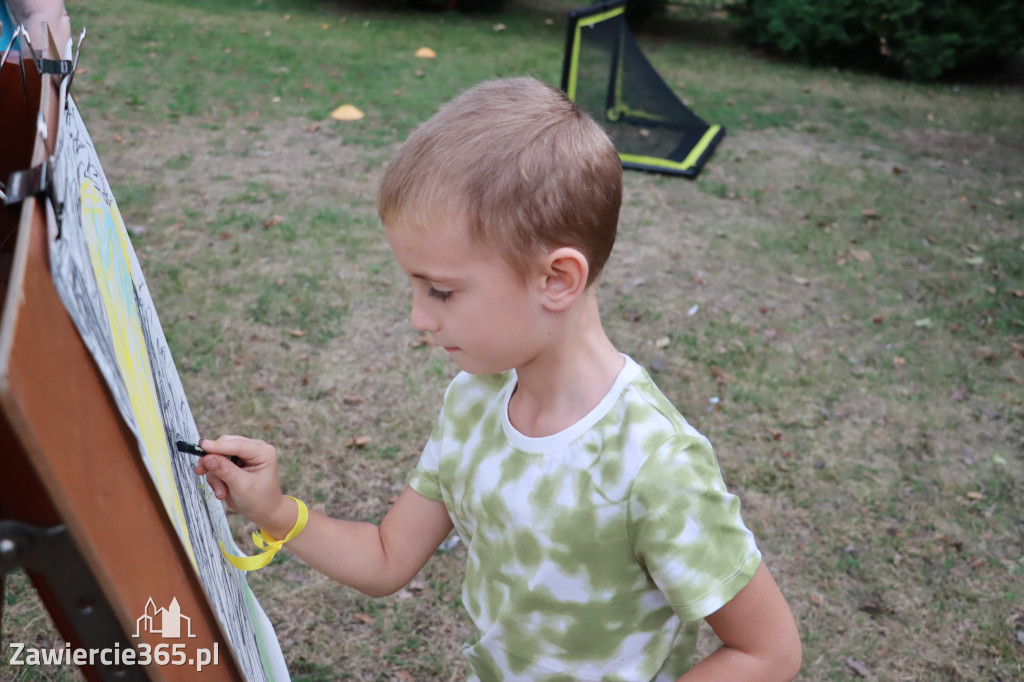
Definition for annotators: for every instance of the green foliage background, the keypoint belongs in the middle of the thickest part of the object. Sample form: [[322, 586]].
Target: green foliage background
[[917, 39]]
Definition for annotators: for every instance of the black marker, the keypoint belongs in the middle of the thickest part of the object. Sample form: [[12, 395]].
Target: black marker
[[193, 449]]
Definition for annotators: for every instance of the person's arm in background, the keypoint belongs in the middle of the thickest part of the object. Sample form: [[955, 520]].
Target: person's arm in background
[[33, 13]]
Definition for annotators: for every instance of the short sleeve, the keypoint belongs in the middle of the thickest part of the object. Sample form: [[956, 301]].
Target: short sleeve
[[425, 477], [686, 528]]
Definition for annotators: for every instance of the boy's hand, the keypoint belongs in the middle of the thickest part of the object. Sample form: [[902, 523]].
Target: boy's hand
[[252, 491]]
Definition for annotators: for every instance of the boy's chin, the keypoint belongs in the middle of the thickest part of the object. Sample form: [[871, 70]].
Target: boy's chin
[[468, 366]]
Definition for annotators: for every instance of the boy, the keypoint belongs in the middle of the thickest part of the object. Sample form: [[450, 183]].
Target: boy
[[598, 529]]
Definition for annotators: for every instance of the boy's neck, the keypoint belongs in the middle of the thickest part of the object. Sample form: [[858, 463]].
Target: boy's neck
[[569, 378]]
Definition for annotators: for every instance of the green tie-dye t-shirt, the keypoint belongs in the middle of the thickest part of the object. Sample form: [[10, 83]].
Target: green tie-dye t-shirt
[[593, 553]]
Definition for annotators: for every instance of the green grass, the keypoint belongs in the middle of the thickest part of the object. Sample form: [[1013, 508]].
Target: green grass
[[853, 256]]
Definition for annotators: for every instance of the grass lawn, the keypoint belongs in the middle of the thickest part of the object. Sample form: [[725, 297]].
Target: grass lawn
[[837, 302]]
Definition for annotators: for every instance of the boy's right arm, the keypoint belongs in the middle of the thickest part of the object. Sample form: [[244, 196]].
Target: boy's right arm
[[376, 560]]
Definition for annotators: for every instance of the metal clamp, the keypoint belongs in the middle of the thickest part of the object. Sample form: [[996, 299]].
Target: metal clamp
[[56, 67], [35, 181]]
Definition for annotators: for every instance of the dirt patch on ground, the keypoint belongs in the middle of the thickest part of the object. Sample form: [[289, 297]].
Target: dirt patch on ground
[[193, 169]]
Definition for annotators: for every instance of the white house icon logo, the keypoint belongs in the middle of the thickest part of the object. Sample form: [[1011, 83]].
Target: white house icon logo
[[165, 622]]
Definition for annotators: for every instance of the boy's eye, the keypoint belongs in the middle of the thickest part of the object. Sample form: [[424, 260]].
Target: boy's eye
[[438, 294]]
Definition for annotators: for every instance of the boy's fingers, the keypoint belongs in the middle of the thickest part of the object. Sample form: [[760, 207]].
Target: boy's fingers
[[222, 466], [220, 491], [250, 451], [223, 445]]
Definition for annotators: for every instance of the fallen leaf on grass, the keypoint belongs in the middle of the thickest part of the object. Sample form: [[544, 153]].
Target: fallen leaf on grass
[[959, 394], [923, 323], [358, 441], [353, 399], [297, 332], [425, 53], [273, 220], [364, 618], [975, 495], [861, 255], [875, 607], [986, 353], [662, 342], [870, 214], [326, 394], [802, 281], [858, 667], [347, 112], [898, 361], [498, 27]]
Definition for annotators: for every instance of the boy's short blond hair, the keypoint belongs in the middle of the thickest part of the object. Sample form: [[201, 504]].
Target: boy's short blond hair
[[521, 164]]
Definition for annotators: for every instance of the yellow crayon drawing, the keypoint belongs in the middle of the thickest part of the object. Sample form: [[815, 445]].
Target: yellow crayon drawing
[[108, 250]]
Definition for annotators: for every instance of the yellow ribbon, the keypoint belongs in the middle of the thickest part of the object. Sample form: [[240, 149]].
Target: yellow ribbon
[[265, 542]]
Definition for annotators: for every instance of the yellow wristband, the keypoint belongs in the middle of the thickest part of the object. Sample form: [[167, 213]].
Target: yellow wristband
[[265, 542]]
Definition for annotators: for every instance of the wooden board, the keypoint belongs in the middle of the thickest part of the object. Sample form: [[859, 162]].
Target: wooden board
[[68, 457]]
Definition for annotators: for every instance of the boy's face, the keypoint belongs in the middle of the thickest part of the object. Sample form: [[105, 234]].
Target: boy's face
[[470, 301]]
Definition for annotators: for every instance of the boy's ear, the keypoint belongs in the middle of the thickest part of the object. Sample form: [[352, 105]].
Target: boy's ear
[[565, 272]]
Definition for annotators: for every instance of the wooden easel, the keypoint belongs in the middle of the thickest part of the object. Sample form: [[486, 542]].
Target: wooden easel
[[78, 510]]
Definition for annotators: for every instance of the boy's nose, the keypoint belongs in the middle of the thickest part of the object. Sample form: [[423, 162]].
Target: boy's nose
[[422, 321]]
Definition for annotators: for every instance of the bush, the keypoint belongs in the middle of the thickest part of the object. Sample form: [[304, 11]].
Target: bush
[[453, 5], [918, 39], [642, 12]]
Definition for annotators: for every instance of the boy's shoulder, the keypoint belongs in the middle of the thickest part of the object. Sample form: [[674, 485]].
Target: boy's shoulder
[[645, 394], [635, 408], [466, 387], [480, 382]]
